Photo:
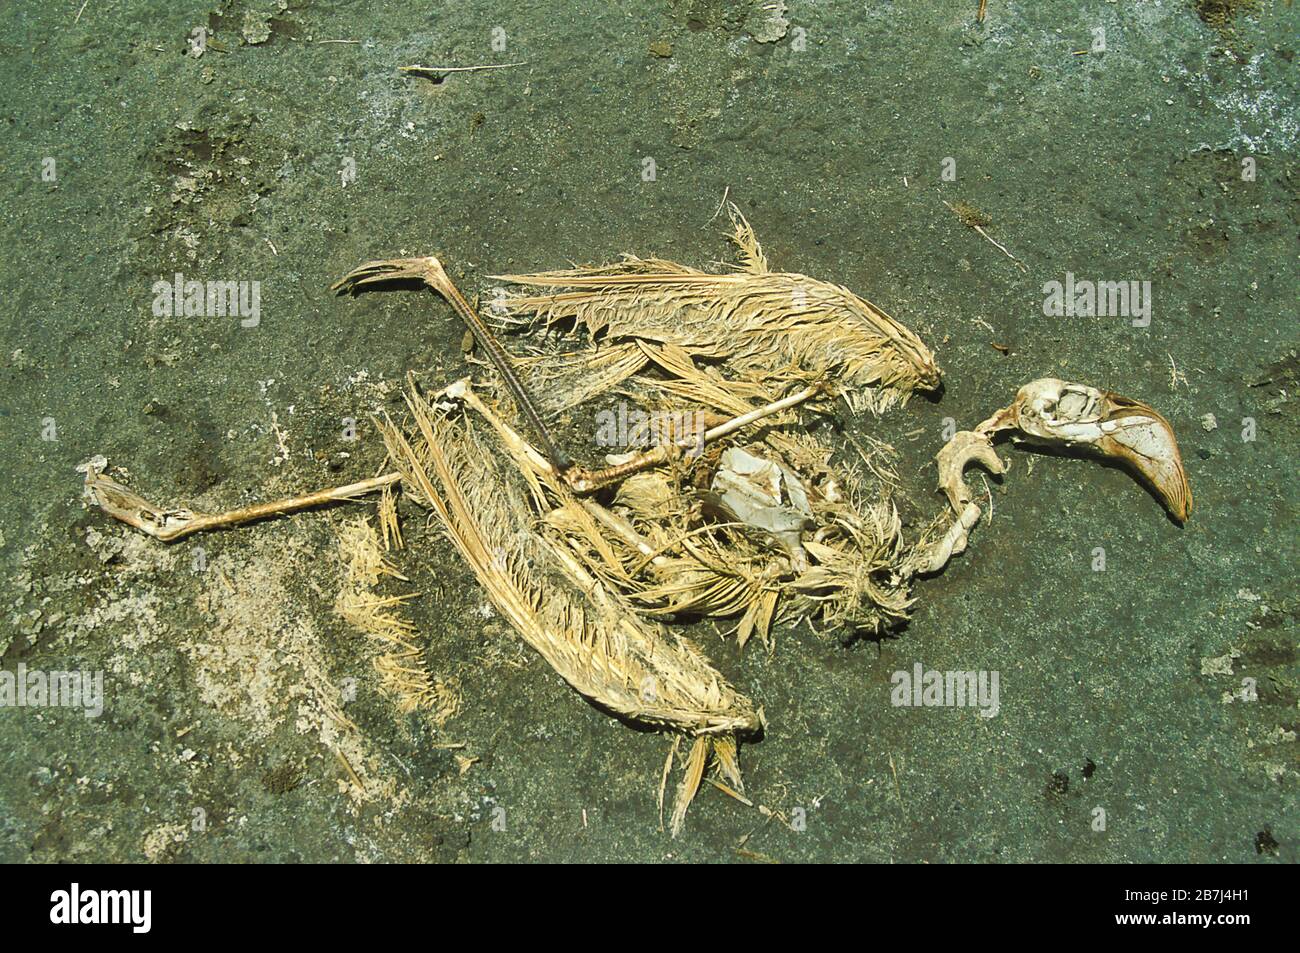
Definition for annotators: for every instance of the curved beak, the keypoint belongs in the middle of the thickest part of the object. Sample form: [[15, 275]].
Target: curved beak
[[1055, 412]]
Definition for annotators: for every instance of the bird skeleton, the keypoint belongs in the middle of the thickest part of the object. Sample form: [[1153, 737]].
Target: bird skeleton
[[746, 516]]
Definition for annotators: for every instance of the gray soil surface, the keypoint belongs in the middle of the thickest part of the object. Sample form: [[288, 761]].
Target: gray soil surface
[[284, 155]]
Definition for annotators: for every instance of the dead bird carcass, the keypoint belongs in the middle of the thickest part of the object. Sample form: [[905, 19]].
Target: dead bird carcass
[[726, 506]]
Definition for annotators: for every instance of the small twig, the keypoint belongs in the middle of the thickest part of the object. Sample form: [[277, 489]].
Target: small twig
[[721, 206], [338, 41], [755, 856], [1176, 376], [424, 70], [984, 6], [1019, 264], [352, 774], [84, 4], [989, 238]]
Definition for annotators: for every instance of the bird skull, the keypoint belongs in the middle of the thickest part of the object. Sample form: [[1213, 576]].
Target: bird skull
[[1058, 413]]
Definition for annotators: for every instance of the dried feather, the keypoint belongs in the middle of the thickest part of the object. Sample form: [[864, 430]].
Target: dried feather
[[561, 381], [389, 527], [402, 671], [762, 322], [584, 630], [724, 755], [696, 762]]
